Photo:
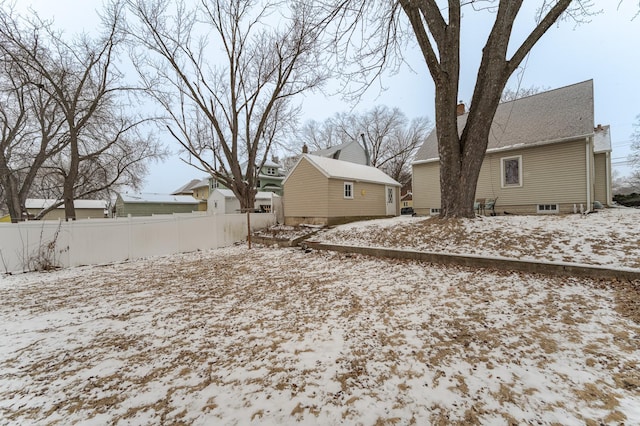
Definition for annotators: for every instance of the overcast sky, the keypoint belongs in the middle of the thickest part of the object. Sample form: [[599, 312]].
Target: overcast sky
[[605, 50]]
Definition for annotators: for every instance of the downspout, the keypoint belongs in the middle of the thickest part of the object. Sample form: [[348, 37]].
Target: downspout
[[607, 169], [588, 145]]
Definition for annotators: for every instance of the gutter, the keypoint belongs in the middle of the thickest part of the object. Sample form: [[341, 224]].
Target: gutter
[[607, 169], [518, 146], [587, 145]]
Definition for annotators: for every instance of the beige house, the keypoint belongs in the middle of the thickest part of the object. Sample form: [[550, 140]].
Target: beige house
[[85, 209], [544, 156], [325, 191], [198, 189]]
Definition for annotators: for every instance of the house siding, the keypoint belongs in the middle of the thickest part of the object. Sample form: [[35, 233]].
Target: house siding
[[201, 193], [148, 209], [306, 192], [551, 174], [368, 199], [58, 214], [354, 153], [600, 184], [426, 178]]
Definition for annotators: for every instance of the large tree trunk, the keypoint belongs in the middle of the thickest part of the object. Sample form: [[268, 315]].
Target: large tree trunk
[[461, 155], [14, 203]]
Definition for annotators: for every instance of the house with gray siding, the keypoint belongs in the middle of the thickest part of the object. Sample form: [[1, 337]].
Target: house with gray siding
[[150, 204], [351, 151], [544, 156]]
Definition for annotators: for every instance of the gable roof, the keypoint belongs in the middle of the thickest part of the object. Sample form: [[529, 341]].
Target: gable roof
[[331, 151], [186, 188], [338, 169], [548, 117]]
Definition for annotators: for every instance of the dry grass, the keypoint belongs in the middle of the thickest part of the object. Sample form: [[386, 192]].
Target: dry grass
[[280, 336]]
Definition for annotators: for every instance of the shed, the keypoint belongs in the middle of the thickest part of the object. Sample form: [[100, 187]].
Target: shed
[[150, 204], [324, 191]]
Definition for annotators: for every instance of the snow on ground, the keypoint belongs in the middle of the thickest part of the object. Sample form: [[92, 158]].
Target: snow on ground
[[608, 237], [283, 336]]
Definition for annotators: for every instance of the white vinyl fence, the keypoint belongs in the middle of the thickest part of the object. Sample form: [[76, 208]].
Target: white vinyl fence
[[40, 244]]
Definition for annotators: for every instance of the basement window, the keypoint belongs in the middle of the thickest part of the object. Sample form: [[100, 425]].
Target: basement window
[[434, 212], [548, 208], [348, 190]]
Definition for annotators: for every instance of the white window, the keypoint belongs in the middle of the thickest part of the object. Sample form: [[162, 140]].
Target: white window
[[348, 190], [511, 171], [389, 195], [547, 208], [434, 212], [272, 171]]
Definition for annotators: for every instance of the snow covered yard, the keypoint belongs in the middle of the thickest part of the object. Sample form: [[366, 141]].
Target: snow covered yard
[[280, 336], [608, 237]]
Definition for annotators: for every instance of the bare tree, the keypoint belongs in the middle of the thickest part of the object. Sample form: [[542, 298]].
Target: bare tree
[[402, 148], [226, 72], [435, 27], [114, 152], [511, 94], [95, 151], [390, 138], [29, 118], [438, 35]]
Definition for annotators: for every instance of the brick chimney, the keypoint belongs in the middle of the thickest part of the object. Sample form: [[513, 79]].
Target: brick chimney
[[460, 109], [305, 149]]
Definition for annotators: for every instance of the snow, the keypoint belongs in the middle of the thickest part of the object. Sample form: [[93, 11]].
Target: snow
[[287, 336], [339, 169], [607, 237]]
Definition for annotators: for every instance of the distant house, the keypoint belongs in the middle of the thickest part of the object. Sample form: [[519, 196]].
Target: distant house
[[270, 177], [186, 189], [351, 151], [406, 201], [325, 191], [224, 201], [198, 189], [544, 156], [85, 209], [150, 204]]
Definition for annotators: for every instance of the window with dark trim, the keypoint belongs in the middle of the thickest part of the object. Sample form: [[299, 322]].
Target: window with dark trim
[[511, 168], [348, 190]]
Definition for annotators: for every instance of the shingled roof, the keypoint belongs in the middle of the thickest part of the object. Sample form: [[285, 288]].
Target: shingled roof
[[338, 169], [555, 116]]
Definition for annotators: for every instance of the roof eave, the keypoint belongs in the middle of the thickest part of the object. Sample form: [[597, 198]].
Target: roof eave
[[518, 146]]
